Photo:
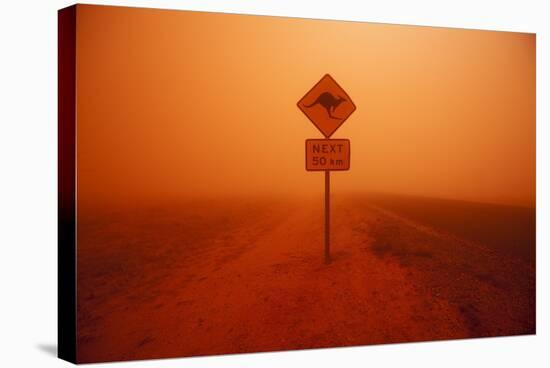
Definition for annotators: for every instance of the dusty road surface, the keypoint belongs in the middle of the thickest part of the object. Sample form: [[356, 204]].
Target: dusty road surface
[[237, 275]]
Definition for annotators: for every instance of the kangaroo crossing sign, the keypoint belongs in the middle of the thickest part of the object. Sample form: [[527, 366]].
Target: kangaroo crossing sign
[[327, 105]]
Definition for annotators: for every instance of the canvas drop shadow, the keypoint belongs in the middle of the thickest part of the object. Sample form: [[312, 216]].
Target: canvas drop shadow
[[50, 349]]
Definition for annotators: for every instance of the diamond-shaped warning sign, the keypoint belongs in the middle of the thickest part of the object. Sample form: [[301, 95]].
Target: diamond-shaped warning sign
[[327, 105]]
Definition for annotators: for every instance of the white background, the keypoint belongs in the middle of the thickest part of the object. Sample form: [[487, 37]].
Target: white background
[[28, 182]]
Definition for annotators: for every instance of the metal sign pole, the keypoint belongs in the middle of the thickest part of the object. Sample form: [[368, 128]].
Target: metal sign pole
[[327, 216]]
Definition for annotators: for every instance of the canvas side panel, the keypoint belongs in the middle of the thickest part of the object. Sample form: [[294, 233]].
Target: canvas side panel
[[66, 246]]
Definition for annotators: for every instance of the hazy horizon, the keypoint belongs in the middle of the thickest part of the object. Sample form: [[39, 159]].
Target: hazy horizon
[[184, 105]]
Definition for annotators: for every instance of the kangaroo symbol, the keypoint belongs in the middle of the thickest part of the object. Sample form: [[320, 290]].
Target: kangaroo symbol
[[329, 102]]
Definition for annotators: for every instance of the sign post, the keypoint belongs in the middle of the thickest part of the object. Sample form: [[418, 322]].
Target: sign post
[[327, 216], [327, 106]]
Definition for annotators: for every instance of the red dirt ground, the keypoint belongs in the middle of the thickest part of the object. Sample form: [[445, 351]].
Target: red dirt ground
[[237, 276]]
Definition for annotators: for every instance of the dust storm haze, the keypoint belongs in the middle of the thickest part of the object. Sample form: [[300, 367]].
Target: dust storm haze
[[180, 105], [208, 236]]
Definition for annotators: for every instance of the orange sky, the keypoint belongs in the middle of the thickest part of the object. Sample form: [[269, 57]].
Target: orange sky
[[175, 104]]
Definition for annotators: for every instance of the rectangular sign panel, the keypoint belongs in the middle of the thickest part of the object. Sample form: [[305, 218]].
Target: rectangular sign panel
[[327, 154]]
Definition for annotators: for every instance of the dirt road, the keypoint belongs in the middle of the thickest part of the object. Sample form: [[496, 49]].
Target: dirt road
[[232, 277]]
